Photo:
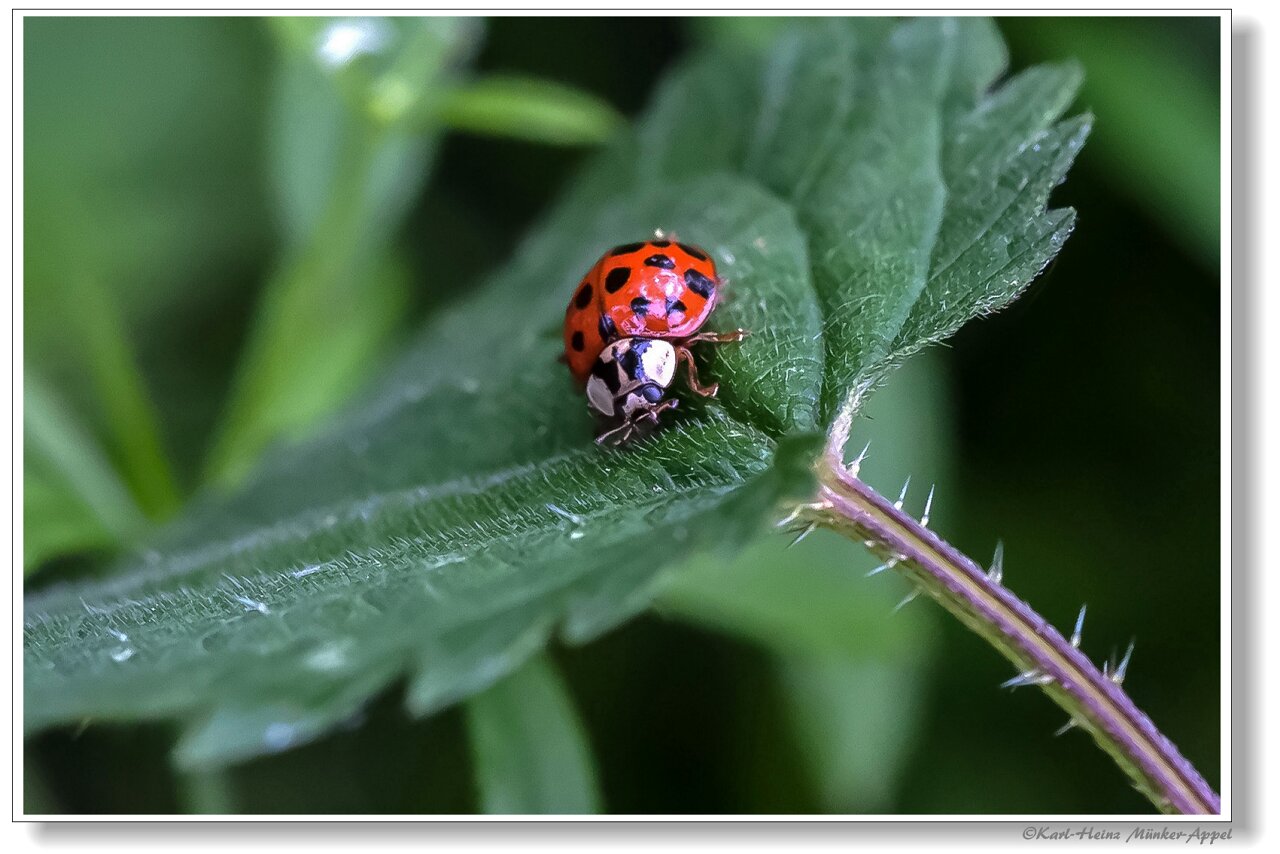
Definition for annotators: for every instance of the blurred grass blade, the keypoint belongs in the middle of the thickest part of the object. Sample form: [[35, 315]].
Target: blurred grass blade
[[72, 497], [529, 109], [106, 369], [131, 419], [1160, 140], [298, 370], [346, 165], [529, 750]]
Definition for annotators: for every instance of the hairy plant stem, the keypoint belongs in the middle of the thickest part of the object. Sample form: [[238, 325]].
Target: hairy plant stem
[[1092, 698]]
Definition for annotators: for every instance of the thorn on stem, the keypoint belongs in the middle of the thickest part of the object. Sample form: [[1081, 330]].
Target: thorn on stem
[[811, 506], [1076, 632], [906, 600], [928, 505], [1117, 675], [804, 532], [902, 496], [996, 573], [790, 517], [1067, 727], [889, 564], [856, 466], [1029, 677]]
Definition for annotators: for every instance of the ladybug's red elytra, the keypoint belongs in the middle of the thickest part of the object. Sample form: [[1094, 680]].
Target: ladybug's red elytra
[[629, 325]]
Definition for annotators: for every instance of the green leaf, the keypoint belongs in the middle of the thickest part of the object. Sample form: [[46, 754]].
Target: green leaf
[[530, 751], [459, 513], [530, 109], [72, 499]]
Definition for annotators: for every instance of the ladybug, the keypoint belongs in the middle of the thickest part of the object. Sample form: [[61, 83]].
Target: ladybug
[[629, 325]]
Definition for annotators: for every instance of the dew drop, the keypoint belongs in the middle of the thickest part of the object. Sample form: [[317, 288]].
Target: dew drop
[[278, 736], [328, 656], [347, 38]]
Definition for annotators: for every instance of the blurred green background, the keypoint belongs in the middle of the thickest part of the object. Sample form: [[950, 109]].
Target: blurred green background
[[173, 190]]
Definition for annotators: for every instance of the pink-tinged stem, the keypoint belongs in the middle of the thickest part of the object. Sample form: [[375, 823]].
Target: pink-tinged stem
[[1094, 700]]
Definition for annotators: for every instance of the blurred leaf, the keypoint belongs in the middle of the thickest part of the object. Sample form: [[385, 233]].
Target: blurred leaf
[[530, 751], [343, 179], [1160, 135], [854, 722], [139, 193], [460, 512], [751, 32], [142, 138], [72, 500], [207, 793], [37, 799], [530, 109]]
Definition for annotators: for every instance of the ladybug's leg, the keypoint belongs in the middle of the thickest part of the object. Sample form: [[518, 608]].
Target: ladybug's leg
[[618, 435], [683, 354], [652, 413], [627, 430]]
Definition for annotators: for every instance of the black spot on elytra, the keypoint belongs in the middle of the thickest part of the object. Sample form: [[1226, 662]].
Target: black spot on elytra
[[640, 306], [664, 261], [625, 249], [616, 279], [608, 331], [699, 284], [584, 295], [675, 305], [579, 343], [694, 251], [661, 244]]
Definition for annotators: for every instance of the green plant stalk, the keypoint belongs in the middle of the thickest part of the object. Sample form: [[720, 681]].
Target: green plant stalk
[[307, 287], [1093, 699]]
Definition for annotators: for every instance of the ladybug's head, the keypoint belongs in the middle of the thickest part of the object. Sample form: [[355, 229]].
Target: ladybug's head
[[630, 380]]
